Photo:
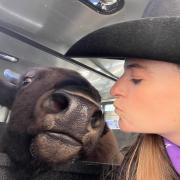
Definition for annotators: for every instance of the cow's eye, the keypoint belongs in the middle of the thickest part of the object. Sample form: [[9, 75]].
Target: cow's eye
[[26, 81]]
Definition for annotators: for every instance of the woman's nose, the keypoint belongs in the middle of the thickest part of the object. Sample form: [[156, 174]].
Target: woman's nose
[[118, 89], [114, 90]]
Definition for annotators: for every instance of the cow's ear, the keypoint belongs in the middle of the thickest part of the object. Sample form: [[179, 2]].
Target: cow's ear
[[7, 93]]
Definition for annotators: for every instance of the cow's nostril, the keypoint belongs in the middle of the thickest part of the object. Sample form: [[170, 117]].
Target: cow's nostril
[[62, 102], [96, 119]]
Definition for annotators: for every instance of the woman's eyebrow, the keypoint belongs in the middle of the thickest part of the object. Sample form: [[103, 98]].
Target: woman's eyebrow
[[134, 65]]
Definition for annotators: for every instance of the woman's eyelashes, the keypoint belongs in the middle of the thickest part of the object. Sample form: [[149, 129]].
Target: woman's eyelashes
[[136, 81]]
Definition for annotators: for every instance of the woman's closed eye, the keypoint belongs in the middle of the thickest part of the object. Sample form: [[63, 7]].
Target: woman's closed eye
[[136, 81]]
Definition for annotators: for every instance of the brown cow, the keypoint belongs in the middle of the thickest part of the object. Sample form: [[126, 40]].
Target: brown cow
[[55, 118]]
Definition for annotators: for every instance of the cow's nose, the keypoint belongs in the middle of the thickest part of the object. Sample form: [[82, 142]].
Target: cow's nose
[[77, 105], [96, 119], [61, 99]]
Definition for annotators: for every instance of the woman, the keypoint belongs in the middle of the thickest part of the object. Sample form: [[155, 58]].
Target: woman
[[147, 100], [147, 95]]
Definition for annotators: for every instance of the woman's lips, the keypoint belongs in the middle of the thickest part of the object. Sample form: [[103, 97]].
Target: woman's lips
[[118, 112], [118, 109]]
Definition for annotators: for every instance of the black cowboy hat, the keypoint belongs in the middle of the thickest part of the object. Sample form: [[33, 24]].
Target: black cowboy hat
[[150, 37]]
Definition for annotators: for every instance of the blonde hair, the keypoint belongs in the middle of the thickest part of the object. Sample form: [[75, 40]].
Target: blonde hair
[[147, 160]]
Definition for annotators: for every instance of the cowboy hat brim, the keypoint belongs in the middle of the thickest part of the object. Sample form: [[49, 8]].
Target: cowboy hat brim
[[155, 38]]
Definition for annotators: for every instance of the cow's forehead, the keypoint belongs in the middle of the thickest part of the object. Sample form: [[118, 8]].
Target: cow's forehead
[[36, 70], [62, 78]]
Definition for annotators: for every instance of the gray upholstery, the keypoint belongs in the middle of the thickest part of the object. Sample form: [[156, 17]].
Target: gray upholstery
[[5, 164], [157, 8]]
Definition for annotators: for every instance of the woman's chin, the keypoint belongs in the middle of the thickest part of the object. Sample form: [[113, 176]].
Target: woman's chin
[[125, 127]]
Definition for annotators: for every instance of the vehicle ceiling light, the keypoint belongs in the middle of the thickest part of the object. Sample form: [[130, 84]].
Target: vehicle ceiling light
[[104, 6], [11, 76], [108, 2], [8, 57]]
